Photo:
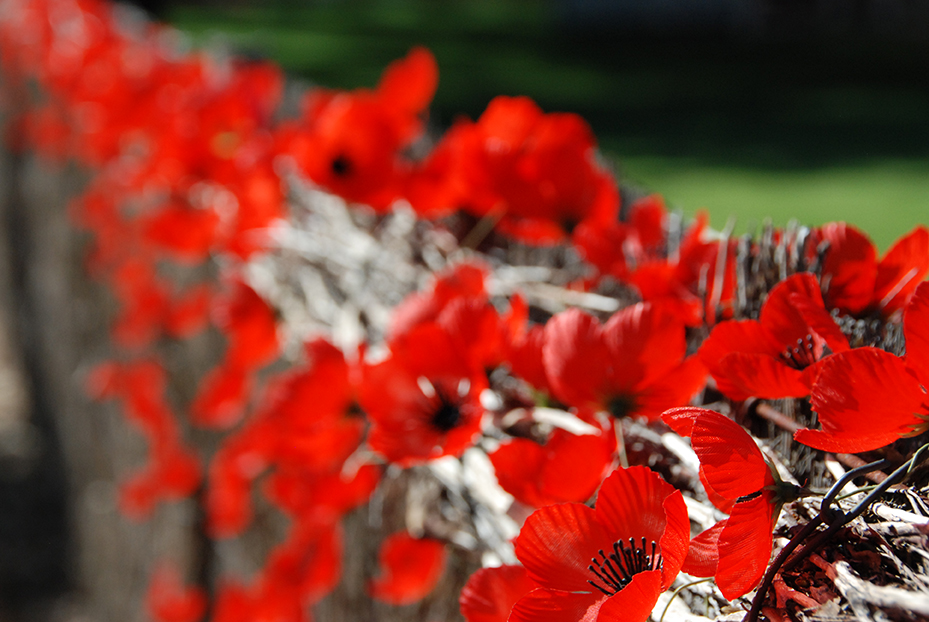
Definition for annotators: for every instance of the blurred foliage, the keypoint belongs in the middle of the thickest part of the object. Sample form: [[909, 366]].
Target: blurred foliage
[[784, 127]]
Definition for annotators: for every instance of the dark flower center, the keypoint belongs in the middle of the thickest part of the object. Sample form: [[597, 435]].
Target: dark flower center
[[801, 355], [448, 414], [615, 570], [341, 166], [622, 406]]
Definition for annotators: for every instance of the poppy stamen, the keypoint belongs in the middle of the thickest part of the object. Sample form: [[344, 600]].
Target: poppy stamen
[[447, 415], [801, 355], [615, 570]]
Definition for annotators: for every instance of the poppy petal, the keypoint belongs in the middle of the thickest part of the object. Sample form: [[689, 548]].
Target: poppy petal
[[778, 314], [542, 605], [410, 569], [916, 331], [866, 398], [557, 543], [762, 375], [644, 342], [849, 269], [575, 357], [731, 461], [901, 270], [703, 554], [745, 546], [633, 603], [490, 593]]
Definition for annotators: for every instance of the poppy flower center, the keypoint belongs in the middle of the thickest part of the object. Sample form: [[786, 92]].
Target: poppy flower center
[[341, 166], [801, 355], [615, 570], [622, 406], [447, 415]]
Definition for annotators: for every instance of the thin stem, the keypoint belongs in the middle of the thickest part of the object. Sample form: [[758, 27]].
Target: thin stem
[[782, 564], [678, 591]]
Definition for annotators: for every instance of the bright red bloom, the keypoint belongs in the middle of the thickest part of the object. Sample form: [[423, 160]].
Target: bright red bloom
[[608, 563], [634, 365], [856, 283], [867, 398], [410, 569], [536, 172], [352, 143], [568, 467], [738, 481], [423, 402], [691, 278], [490, 593], [778, 355]]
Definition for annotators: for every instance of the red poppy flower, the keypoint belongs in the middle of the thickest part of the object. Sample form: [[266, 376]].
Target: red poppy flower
[[634, 365], [867, 398], [605, 563], [778, 355], [856, 283], [353, 141], [738, 481], [410, 569], [536, 172], [636, 252], [418, 416], [490, 593], [568, 467]]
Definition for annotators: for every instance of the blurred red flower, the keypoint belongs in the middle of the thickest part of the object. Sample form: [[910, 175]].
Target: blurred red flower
[[855, 282], [568, 467], [634, 365], [410, 569]]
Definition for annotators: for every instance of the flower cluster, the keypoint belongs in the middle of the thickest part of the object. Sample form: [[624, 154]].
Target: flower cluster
[[189, 172]]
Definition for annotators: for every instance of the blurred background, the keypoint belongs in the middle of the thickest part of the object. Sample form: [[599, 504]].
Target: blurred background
[[810, 109]]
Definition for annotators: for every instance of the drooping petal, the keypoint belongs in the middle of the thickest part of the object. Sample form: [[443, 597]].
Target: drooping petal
[[866, 398], [410, 569], [731, 461], [901, 270], [490, 593], [557, 543], [745, 546]]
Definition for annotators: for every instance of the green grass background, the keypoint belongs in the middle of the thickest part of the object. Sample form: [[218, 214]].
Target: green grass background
[[813, 129]]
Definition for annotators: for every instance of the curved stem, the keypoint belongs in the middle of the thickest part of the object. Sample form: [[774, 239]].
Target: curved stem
[[678, 591]]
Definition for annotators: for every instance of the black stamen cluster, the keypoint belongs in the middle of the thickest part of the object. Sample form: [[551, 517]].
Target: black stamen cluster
[[617, 569], [447, 414], [801, 355]]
